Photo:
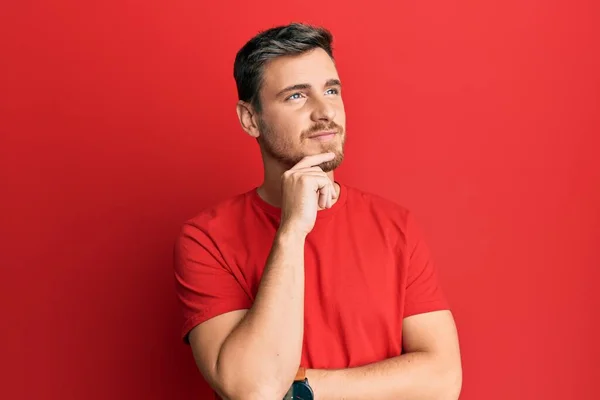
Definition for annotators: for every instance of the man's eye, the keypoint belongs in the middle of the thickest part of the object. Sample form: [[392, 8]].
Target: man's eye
[[333, 91], [295, 96]]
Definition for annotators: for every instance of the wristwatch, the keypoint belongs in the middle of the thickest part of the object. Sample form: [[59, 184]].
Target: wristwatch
[[300, 389]]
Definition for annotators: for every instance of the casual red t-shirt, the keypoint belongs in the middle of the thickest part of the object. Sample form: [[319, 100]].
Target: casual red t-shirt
[[366, 268]]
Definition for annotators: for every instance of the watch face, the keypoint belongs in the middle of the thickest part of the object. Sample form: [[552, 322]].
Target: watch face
[[301, 391]]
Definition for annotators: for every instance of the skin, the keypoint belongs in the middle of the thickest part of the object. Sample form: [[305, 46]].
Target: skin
[[288, 118], [241, 353]]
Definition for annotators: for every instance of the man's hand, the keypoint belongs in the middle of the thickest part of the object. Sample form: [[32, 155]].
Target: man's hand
[[305, 188]]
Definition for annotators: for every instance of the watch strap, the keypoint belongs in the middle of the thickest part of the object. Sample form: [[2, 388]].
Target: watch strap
[[301, 374]]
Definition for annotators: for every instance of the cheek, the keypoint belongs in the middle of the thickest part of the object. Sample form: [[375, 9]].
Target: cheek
[[341, 112], [287, 127]]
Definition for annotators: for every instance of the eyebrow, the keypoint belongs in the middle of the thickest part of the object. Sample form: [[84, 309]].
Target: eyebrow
[[304, 86]]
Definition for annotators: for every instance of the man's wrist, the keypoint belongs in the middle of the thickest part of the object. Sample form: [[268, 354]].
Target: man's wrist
[[317, 379], [286, 234]]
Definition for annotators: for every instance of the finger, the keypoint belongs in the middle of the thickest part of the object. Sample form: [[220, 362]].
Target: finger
[[321, 182], [318, 182], [331, 199], [321, 175], [311, 161], [323, 195], [307, 169], [334, 193]]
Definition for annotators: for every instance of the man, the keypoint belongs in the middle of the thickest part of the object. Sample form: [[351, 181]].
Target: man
[[305, 287]]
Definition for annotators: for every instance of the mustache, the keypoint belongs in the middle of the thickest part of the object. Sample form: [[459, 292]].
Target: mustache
[[332, 126]]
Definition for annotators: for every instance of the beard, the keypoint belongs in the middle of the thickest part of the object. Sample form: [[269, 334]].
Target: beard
[[283, 151]]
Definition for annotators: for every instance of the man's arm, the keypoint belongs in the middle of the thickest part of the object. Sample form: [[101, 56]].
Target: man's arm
[[430, 369], [255, 353], [242, 354]]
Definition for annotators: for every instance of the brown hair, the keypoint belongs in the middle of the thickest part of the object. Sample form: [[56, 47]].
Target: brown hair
[[292, 39]]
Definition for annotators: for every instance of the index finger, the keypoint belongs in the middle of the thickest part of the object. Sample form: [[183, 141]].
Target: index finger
[[314, 160]]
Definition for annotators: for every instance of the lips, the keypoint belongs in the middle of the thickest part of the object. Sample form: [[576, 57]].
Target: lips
[[322, 133]]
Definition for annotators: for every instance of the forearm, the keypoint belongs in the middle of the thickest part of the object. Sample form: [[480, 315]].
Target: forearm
[[412, 376], [256, 356]]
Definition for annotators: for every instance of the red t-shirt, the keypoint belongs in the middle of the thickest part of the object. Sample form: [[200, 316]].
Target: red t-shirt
[[366, 268]]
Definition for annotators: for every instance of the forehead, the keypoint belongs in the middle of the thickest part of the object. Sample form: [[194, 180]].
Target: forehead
[[314, 67]]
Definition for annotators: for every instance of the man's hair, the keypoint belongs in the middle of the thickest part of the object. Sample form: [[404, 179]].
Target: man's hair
[[292, 39]]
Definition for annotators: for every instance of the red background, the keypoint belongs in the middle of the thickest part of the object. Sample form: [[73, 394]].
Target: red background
[[118, 122]]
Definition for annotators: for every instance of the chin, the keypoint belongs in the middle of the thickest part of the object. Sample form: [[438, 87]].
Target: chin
[[329, 166]]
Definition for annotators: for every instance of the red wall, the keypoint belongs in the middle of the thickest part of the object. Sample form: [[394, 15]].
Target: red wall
[[117, 122]]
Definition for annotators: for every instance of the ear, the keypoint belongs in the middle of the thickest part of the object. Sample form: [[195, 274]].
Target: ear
[[248, 118]]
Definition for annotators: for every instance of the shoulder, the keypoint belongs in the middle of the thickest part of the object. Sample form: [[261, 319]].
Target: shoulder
[[217, 219]]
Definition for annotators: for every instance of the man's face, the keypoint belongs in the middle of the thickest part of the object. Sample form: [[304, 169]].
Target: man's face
[[302, 109]]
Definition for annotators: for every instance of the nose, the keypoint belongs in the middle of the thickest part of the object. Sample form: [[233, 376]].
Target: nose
[[323, 110]]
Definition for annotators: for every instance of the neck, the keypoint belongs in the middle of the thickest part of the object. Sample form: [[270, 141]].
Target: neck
[[270, 189]]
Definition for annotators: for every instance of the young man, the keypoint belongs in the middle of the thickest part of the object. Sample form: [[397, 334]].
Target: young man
[[305, 287]]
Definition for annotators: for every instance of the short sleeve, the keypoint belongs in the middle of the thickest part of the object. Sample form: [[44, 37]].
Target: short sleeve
[[205, 286], [423, 290]]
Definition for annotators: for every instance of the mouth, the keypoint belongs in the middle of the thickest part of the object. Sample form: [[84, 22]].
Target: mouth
[[323, 135]]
